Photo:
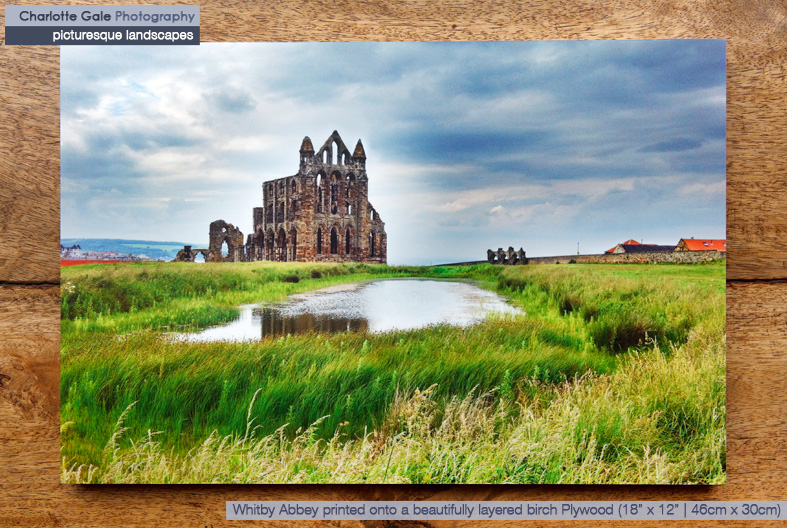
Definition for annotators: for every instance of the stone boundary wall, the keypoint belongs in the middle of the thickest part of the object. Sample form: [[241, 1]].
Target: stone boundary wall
[[655, 257]]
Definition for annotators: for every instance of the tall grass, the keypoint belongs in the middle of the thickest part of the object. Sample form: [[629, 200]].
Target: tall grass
[[563, 394], [625, 307], [639, 424], [189, 389]]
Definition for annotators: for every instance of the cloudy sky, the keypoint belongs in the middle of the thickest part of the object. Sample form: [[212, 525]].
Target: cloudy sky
[[470, 146]]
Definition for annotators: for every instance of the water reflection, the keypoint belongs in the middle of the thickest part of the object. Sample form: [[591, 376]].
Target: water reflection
[[375, 306], [273, 322]]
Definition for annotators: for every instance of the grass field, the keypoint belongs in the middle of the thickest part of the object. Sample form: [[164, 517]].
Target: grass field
[[614, 375]]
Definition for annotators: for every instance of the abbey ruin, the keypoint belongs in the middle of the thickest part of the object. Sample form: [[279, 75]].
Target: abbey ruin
[[320, 214]]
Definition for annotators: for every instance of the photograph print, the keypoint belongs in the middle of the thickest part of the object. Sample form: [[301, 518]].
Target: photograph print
[[394, 263]]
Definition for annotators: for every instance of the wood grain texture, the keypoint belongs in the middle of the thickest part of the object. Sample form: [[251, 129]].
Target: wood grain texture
[[29, 164], [30, 493]]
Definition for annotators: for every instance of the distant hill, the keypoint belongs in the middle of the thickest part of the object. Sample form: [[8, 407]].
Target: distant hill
[[150, 248]]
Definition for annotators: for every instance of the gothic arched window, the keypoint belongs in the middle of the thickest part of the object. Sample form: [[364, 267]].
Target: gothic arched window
[[334, 241], [319, 193], [371, 244]]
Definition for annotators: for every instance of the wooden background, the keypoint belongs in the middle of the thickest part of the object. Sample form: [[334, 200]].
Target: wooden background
[[756, 32]]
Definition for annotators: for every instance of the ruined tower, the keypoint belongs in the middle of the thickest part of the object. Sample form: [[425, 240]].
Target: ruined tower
[[320, 214]]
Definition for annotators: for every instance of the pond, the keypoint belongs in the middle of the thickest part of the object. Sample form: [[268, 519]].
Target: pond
[[374, 306]]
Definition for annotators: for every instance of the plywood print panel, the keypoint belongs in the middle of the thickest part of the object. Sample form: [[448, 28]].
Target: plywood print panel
[[30, 494]]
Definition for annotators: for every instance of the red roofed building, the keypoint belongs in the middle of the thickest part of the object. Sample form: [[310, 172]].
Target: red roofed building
[[642, 248], [631, 242], [701, 244]]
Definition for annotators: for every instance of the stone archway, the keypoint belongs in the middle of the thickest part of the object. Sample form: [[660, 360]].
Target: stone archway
[[189, 254], [292, 245], [220, 233], [281, 246], [258, 242]]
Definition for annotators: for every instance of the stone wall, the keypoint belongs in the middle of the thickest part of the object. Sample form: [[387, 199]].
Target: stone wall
[[656, 257]]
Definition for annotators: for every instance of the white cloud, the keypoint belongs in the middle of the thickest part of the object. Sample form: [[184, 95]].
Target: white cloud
[[714, 188]]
